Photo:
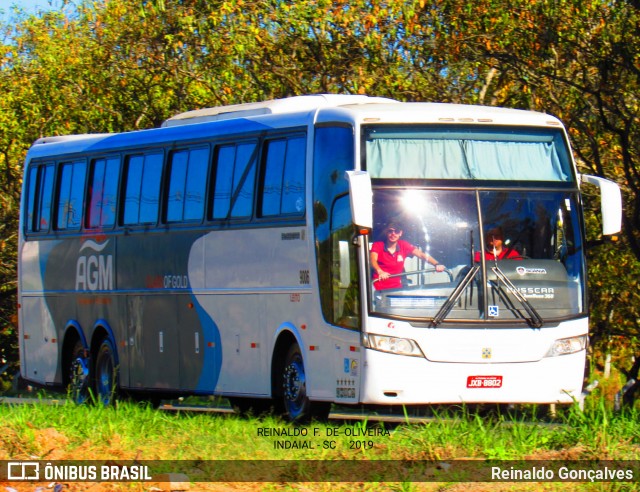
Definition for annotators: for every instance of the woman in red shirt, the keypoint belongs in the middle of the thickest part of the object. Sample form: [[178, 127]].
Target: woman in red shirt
[[387, 258]]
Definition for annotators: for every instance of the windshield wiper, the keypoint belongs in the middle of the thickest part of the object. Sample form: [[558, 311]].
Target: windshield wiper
[[446, 308], [534, 320]]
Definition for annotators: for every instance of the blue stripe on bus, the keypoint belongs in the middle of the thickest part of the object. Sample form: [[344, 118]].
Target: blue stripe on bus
[[212, 356]]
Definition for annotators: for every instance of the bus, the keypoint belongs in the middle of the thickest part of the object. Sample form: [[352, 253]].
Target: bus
[[229, 252]]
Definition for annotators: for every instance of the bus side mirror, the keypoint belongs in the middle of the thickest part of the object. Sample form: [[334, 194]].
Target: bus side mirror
[[361, 197], [610, 203]]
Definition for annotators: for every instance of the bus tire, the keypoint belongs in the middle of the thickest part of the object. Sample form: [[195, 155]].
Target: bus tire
[[78, 374], [297, 406], [106, 376]]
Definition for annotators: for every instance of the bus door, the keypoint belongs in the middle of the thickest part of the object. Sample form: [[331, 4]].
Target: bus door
[[345, 303]]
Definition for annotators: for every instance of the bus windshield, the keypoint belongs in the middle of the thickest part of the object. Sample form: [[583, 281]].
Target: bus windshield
[[476, 255]]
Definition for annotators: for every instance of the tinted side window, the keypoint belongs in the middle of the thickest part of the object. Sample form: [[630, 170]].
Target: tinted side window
[[275, 152], [142, 189], [187, 185], [103, 192], [282, 190], [31, 198], [333, 154], [39, 197], [234, 181], [345, 304], [293, 179], [70, 194]]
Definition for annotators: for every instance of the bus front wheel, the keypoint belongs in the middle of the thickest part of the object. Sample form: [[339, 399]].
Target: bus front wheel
[[297, 406], [106, 373]]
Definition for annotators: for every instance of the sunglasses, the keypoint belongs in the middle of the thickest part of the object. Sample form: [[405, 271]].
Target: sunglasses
[[393, 231]]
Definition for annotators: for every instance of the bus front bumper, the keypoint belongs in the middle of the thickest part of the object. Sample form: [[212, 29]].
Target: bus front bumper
[[391, 379]]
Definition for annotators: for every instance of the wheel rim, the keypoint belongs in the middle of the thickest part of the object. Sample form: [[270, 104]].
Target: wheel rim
[[295, 387], [79, 379], [105, 374]]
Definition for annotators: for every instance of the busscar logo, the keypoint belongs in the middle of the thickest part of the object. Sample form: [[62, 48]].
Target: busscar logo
[[94, 271]]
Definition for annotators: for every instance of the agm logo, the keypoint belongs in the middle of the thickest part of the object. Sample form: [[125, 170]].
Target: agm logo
[[94, 271]]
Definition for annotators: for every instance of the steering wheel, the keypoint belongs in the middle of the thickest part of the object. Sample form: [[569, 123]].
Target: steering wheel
[[413, 272]]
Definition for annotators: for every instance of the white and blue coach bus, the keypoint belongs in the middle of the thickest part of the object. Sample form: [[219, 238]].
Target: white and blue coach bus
[[228, 253]]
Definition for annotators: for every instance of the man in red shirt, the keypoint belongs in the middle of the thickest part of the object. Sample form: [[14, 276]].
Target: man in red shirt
[[495, 250], [387, 258]]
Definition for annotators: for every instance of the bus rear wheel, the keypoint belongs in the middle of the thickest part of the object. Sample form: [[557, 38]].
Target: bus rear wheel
[[106, 377], [78, 375], [297, 406]]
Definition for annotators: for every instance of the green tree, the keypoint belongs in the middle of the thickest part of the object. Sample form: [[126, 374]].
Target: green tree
[[116, 66]]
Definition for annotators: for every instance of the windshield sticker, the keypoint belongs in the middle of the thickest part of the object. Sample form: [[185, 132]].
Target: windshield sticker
[[351, 366], [494, 311], [530, 271]]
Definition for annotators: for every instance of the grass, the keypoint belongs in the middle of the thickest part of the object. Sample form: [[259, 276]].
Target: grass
[[138, 432]]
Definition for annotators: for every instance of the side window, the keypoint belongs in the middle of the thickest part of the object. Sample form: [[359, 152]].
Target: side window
[[143, 176], [333, 154], [344, 265], [187, 185], [282, 182], [233, 181], [39, 196], [103, 192], [70, 195]]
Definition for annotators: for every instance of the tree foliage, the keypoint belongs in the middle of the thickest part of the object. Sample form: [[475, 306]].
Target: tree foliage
[[111, 66]]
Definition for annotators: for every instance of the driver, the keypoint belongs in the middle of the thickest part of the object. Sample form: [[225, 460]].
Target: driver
[[496, 249], [387, 258]]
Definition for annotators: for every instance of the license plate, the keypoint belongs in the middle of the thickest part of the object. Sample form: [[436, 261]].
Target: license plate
[[484, 382]]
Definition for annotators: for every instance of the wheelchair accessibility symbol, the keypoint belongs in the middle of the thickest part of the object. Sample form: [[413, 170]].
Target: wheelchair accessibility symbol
[[494, 311]]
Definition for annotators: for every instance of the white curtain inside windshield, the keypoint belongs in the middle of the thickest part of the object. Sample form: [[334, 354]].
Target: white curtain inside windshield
[[486, 156]]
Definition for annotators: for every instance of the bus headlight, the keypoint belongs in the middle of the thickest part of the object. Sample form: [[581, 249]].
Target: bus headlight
[[392, 345], [566, 346]]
